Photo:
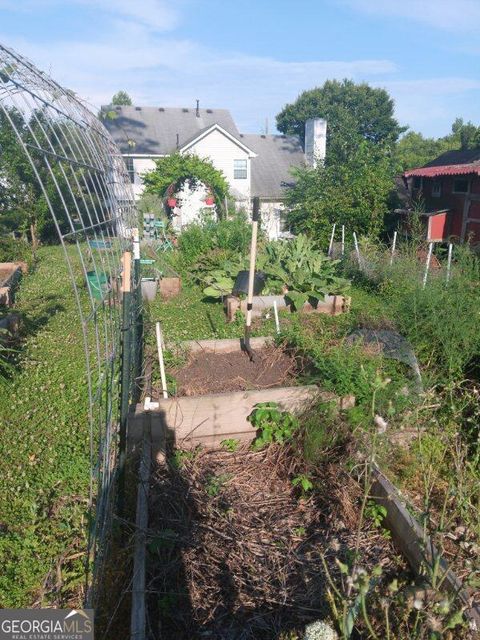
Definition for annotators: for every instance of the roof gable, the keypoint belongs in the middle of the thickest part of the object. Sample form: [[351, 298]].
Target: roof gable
[[207, 131]]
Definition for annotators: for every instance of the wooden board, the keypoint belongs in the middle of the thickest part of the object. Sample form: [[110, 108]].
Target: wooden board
[[226, 345], [415, 544], [209, 419]]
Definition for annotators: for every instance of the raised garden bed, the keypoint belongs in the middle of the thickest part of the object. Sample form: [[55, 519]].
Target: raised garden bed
[[332, 305], [234, 551], [10, 274]]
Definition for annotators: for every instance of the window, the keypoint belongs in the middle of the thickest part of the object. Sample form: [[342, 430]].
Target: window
[[461, 185], [240, 169], [436, 188], [417, 182], [130, 169]]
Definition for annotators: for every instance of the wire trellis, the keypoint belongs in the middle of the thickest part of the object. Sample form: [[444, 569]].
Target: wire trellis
[[85, 185]]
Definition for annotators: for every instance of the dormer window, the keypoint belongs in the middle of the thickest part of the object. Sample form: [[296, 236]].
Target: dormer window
[[240, 169]]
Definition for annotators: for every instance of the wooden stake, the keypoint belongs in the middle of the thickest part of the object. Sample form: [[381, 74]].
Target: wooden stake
[[251, 274], [127, 272], [160, 359], [343, 239]]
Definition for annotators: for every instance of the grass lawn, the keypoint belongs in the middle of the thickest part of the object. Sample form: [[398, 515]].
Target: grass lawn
[[44, 445]]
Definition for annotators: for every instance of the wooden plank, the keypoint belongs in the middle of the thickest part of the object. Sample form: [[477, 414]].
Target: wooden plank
[[226, 345], [416, 545], [211, 418], [127, 272]]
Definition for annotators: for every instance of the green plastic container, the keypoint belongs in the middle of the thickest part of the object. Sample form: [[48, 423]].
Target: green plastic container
[[97, 283]]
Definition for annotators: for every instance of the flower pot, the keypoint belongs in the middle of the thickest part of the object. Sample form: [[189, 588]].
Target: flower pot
[[149, 289], [172, 202]]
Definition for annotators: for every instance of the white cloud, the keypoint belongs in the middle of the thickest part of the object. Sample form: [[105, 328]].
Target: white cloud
[[161, 70], [458, 15], [157, 15]]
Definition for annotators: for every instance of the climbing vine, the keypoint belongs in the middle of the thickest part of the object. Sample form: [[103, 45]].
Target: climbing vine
[[171, 172]]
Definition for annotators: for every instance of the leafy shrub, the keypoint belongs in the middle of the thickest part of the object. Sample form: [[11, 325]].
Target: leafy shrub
[[13, 249], [230, 236], [303, 270]]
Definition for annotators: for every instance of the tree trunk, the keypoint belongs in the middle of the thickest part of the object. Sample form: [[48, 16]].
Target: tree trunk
[[34, 237]]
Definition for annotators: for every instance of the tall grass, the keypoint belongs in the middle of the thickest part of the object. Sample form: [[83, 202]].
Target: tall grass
[[441, 320]]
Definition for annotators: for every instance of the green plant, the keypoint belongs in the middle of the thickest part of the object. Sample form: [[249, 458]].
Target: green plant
[[214, 483], [375, 512], [304, 482], [273, 425], [230, 444], [305, 272]]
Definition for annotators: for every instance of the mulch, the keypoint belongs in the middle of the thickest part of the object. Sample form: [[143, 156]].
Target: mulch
[[235, 551], [207, 372]]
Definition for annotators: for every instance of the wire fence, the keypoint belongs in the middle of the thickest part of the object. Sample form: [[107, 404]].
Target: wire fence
[[64, 151]]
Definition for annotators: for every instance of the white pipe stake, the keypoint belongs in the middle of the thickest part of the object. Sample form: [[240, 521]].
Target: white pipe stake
[[356, 247], [449, 261], [394, 244], [160, 359], [330, 246], [427, 265], [277, 321], [343, 239]]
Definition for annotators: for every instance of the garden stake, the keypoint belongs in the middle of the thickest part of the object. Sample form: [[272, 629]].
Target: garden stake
[[427, 265], [330, 246], [277, 321], [449, 262], [251, 275], [343, 239], [356, 247], [163, 378], [394, 244]]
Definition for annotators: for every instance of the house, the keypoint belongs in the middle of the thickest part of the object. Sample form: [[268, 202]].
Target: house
[[254, 165], [450, 189]]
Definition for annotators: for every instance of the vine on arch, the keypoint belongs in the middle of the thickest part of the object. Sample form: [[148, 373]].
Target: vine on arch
[[171, 172]]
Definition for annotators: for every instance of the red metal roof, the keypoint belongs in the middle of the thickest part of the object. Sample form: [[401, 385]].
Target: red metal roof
[[445, 170]]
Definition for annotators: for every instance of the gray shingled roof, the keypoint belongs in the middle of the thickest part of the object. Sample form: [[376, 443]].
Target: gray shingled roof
[[465, 156], [276, 155], [154, 129]]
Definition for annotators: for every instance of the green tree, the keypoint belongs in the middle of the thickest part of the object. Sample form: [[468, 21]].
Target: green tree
[[354, 113], [174, 170], [27, 188], [121, 98], [354, 192], [414, 150]]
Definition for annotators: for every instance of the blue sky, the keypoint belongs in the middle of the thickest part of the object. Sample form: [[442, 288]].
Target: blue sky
[[254, 56]]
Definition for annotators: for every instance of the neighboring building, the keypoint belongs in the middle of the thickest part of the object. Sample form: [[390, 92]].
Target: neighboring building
[[450, 188], [254, 165]]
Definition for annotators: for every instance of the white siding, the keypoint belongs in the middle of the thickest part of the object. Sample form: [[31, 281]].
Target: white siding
[[222, 152], [141, 165]]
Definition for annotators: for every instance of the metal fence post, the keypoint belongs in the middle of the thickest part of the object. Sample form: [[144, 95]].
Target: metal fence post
[[125, 374]]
